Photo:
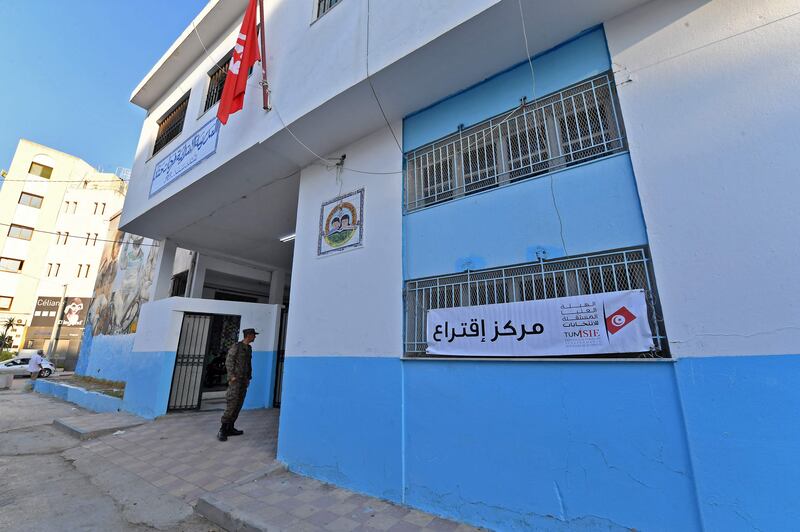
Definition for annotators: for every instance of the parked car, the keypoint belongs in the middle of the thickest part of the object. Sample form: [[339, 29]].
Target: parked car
[[19, 366]]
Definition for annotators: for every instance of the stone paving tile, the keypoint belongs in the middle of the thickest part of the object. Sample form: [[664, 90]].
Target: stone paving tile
[[291, 502]]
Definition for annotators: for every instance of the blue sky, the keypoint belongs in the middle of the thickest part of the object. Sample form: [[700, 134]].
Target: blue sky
[[69, 67]]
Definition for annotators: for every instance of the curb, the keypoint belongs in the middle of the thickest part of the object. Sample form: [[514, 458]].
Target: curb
[[230, 518]]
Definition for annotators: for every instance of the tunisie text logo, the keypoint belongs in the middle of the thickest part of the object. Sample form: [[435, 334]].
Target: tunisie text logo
[[619, 319]]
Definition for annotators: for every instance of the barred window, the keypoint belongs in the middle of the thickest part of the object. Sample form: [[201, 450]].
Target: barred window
[[547, 279], [31, 200], [573, 126], [216, 82], [323, 6], [20, 231], [171, 124]]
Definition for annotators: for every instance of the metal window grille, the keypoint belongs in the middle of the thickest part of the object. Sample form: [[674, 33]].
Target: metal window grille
[[323, 6], [171, 125], [570, 127], [216, 83], [591, 274]]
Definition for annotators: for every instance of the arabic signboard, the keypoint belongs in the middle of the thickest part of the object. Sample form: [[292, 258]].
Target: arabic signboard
[[613, 322], [193, 151]]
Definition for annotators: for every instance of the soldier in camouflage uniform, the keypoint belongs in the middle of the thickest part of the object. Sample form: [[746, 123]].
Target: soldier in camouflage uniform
[[238, 364]]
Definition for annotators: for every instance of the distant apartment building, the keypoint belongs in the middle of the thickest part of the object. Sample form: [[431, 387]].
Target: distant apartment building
[[54, 216]]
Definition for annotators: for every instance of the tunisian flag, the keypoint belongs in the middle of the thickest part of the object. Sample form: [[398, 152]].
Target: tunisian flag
[[245, 54]]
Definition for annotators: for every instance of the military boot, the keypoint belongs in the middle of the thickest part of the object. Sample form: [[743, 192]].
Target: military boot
[[233, 431], [222, 435]]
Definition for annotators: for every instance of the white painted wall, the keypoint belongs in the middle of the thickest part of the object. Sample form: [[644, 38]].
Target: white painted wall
[[350, 303], [711, 106], [299, 83], [160, 322]]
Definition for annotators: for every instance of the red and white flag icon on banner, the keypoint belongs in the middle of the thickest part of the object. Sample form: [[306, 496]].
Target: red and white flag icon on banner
[[245, 54], [619, 319]]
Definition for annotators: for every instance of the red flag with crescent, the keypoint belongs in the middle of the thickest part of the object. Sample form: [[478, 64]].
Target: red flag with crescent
[[244, 56]]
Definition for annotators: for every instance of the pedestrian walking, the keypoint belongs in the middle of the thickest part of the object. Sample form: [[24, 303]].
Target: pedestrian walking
[[238, 364], [35, 365]]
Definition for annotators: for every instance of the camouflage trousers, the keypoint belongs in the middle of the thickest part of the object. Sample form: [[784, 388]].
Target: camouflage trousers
[[234, 398]]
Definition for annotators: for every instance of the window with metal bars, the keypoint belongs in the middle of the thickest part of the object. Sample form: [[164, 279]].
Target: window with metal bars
[[216, 82], [323, 6], [546, 279], [572, 126], [171, 124]]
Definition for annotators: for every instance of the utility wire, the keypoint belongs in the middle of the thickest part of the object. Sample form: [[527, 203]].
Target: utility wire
[[371, 86], [75, 236], [533, 81], [45, 180]]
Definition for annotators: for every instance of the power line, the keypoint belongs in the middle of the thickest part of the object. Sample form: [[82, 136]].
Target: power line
[[371, 86], [77, 237], [536, 126], [45, 180]]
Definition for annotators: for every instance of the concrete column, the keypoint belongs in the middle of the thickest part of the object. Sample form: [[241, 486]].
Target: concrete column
[[199, 278], [277, 284], [163, 274]]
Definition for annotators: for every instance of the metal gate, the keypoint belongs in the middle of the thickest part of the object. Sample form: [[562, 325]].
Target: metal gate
[[276, 400], [187, 377]]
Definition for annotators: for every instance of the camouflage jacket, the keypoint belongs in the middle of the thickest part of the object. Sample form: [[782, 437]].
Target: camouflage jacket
[[238, 361]]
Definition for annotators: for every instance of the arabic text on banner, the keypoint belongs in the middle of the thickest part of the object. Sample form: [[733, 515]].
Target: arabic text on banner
[[612, 322]]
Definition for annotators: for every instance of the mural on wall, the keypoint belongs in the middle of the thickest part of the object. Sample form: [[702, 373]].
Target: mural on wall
[[341, 223], [123, 283]]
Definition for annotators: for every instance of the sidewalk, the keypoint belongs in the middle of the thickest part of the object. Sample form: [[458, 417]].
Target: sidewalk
[[238, 484]]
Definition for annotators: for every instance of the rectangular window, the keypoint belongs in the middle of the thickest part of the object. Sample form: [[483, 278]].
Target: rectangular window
[[102, 208], [179, 281], [574, 126], [546, 279], [61, 238], [323, 6], [10, 265], [31, 200], [80, 269], [21, 232], [216, 82], [40, 170], [94, 240], [74, 207], [171, 124], [5, 302], [86, 271]]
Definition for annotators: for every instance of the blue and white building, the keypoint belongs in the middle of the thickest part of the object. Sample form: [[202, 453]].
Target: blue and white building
[[495, 151]]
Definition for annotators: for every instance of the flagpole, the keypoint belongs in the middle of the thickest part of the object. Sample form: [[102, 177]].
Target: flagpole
[[264, 84]]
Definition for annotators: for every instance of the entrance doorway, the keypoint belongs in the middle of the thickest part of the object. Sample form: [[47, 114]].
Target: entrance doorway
[[200, 359]]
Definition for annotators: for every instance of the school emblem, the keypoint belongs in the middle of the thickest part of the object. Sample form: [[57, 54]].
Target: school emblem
[[341, 223]]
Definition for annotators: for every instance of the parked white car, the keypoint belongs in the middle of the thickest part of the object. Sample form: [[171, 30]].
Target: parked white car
[[19, 366]]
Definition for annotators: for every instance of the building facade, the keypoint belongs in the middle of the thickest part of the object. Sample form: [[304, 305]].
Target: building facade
[[55, 215], [425, 157]]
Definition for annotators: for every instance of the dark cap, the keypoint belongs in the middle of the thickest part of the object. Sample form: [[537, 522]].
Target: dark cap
[[249, 331]]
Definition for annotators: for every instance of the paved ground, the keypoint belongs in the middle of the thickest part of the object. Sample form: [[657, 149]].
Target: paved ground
[[42, 489], [153, 475]]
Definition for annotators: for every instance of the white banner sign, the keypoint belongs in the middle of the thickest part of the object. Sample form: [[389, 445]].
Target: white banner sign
[[191, 152], [613, 322]]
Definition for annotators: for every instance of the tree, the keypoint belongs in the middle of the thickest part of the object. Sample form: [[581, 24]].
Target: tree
[[6, 325]]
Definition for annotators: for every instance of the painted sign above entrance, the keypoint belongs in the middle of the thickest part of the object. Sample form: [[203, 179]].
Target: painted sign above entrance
[[613, 322], [200, 146]]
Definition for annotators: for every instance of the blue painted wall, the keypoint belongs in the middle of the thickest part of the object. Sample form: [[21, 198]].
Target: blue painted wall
[[548, 446], [691, 444], [743, 424], [565, 65], [340, 422], [261, 390], [598, 204]]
